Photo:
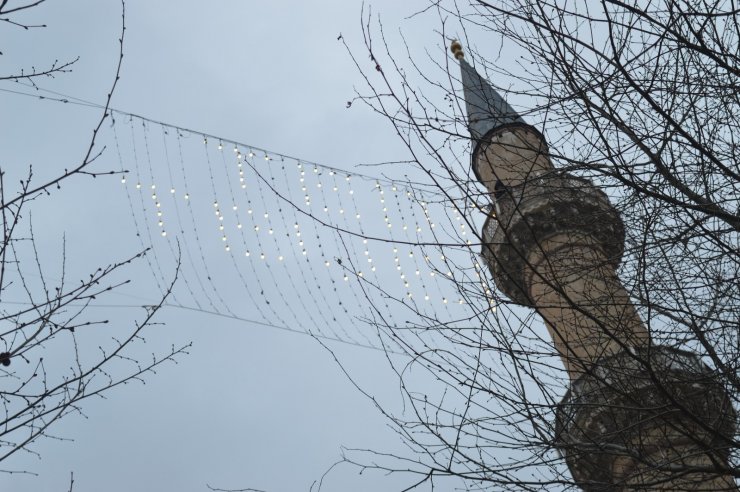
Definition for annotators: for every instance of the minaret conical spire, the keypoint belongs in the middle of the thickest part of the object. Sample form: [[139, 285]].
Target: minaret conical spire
[[487, 109]]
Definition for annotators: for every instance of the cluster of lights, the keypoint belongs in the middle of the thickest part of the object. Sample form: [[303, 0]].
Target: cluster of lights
[[405, 273], [240, 168], [462, 226], [158, 207]]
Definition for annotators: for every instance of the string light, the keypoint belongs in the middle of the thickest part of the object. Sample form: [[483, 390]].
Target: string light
[[334, 205]]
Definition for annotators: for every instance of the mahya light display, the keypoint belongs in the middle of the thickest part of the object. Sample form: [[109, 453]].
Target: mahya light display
[[638, 415]]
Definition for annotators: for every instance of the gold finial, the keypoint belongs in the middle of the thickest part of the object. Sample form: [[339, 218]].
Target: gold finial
[[457, 50]]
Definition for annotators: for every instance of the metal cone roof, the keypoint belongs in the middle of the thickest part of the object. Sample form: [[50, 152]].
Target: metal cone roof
[[486, 108]]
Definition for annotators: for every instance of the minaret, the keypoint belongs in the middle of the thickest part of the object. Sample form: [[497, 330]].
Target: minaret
[[637, 416]]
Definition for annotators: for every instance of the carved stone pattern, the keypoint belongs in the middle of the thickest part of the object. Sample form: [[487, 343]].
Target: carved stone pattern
[[618, 420], [550, 204]]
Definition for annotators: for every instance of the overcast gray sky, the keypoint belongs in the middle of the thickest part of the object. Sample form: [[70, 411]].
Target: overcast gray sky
[[250, 406]]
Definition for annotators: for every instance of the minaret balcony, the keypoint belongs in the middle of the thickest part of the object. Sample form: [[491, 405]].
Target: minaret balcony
[[524, 217], [648, 418]]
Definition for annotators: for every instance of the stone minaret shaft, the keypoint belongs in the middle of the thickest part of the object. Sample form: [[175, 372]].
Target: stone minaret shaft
[[638, 416]]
